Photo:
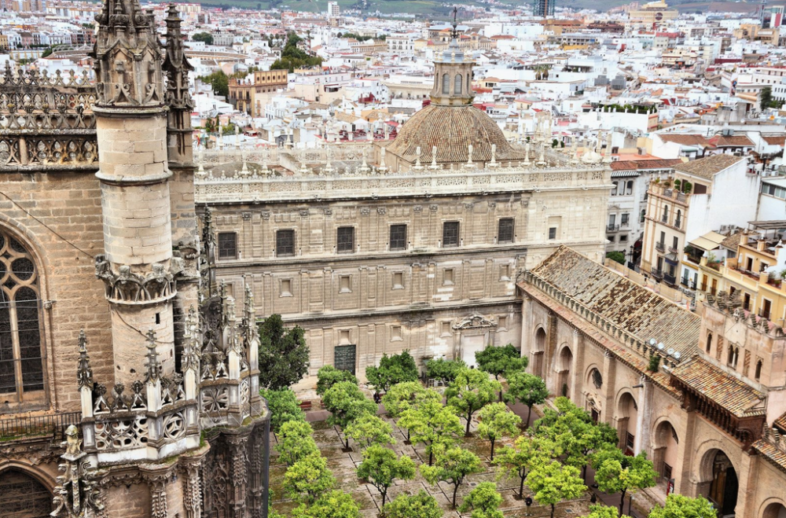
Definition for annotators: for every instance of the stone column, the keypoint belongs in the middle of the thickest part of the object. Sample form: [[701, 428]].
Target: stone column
[[131, 132], [526, 319], [643, 417], [608, 389], [577, 380]]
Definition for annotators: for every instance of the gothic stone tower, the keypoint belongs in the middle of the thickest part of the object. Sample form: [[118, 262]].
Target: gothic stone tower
[[131, 128]]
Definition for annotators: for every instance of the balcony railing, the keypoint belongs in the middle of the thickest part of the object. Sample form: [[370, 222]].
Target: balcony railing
[[658, 274], [670, 279], [625, 224], [678, 223], [665, 218], [660, 247], [688, 283], [673, 250], [612, 228], [54, 425]]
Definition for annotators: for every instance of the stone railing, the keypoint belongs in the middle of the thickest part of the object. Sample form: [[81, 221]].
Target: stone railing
[[46, 121], [156, 418], [515, 177]]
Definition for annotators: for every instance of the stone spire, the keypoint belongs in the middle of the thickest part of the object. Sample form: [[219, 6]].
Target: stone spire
[[177, 98], [127, 57]]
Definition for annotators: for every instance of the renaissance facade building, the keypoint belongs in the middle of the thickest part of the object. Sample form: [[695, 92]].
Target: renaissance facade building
[[713, 415], [415, 244], [121, 361]]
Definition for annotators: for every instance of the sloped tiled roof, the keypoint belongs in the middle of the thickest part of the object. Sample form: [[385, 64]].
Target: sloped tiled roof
[[723, 389], [774, 140], [631, 307], [708, 167], [772, 453], [734, 141], [732, 242], [686, 140], [624, 165]]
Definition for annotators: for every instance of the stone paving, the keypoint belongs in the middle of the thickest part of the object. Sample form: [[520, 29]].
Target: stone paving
[[344, 465]]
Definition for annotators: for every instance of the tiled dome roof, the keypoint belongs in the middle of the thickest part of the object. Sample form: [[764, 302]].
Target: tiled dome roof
[[452, 129]]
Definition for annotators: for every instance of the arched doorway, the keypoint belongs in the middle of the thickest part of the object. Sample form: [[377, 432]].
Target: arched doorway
[[774, 510], [537, 354], [627, 416], [564, 363], [665, 450], [720, 482], [22, 496]]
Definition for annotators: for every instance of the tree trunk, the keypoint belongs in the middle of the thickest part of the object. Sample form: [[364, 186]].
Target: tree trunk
[[469, 420], [622, 500], [455, 492], [521, 487], [430, 455], [552, 510], [492, 449], [500, 396], [384, 496], [529, 415]]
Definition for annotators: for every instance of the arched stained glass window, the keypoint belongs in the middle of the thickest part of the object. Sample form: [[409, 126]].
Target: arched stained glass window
[[21, 358]]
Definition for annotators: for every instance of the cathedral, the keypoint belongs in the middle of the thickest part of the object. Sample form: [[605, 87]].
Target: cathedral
[[412, 244], [128, 374]]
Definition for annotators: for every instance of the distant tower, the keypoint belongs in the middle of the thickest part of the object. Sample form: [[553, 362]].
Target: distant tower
[[452, 74], [333, 9], [544, 8]]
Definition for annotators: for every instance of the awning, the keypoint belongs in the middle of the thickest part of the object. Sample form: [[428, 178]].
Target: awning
[[708, 242]]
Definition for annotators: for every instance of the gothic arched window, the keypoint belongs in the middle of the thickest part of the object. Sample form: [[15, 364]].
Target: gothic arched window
[[457, 84], [21, 362], [445, 84]]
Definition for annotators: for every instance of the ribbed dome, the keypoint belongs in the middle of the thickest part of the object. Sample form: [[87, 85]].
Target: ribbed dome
[[452, 129]]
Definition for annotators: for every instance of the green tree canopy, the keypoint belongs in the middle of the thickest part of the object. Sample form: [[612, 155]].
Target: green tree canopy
[[381, 467], [219, 81], [308, 478], [283, 354], [295, 442], [527, 389], [444, 370], [430, 424], [471, 391], [346, 402], [392, 370], [335, 504], [328, 376], [551, 483], [496, 421], [501, 361], [617, 256], [421, 505], [602, 511], [516, 461], [283, 406], [368, 429], [483, 501], [403, 396], [203, 36], [616, 472], [452, 465], [680, 506], [293, 57]]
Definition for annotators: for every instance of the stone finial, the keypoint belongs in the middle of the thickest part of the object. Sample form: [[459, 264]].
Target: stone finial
[[76, 494], [418, 166], [434, 158], [128, 57], [84, 373], [153, 367], [493, 156]]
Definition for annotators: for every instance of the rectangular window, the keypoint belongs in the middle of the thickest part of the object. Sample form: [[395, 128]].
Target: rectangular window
[[398, 280], [624, 238], [553, 233], [227, 245], [450, 233], [447, 277], [395, 334], [398, 237], [504, 272], [345, 240], [505, 230], [625, 218], [766, 308], [502, 324], [285, 243], [344, 284], [446, 328], [286, 288]]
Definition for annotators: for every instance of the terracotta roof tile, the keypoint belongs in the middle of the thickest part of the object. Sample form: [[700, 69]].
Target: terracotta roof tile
[[624, 165], [708, 167], [774, 140], [721, 388], [629, 306], [772, 453]]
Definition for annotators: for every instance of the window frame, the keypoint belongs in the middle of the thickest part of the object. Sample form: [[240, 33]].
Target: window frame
[[511, 230], [221, 255], [403, 239], [457, 236], [348, 248], [281, 232]]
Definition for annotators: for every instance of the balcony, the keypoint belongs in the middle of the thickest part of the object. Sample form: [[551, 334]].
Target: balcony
[[670, 279], [674, 250], [665, 219], [45, 425], [657, 273], [688, 283], [612, 228], [660, 247], [678, 223]]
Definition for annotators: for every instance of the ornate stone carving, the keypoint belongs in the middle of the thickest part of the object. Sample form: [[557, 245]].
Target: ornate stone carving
[[76, 494], [474, 322], [129, 287]]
